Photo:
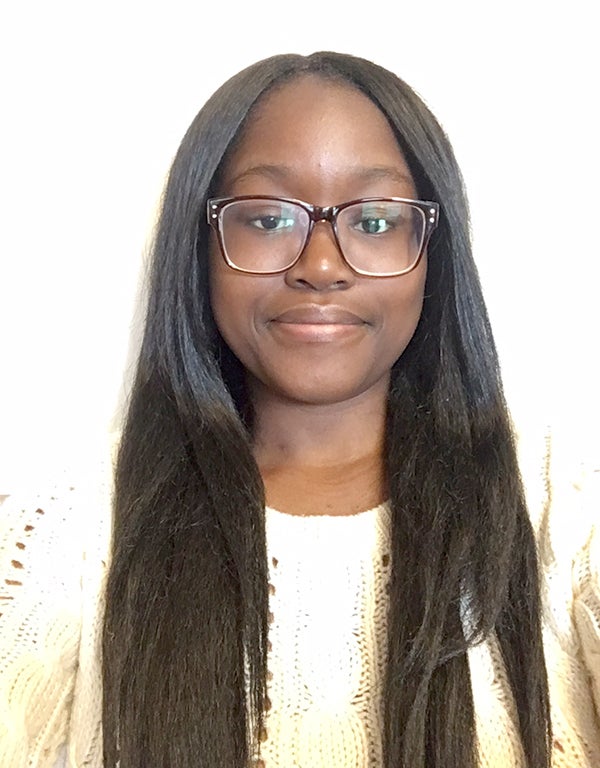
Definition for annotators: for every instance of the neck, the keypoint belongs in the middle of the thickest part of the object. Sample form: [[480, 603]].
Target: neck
[[321, 459]]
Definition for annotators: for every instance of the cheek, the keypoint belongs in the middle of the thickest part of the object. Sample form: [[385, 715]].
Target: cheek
[[226, 289], [404, 310], [235, 302], [224, 294], [228, 304]]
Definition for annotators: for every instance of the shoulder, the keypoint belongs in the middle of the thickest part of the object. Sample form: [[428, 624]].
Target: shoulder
[[49, 527], [560, 467], [41, 540]]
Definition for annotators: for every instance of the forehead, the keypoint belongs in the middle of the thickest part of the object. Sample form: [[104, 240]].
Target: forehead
[[315, 131]]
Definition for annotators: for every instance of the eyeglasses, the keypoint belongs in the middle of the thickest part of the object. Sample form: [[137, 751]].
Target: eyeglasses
[[376, 236]]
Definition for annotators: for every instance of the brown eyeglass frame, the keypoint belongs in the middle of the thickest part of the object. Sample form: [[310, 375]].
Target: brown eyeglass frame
[[317, 213]]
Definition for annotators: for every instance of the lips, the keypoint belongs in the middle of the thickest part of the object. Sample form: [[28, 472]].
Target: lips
[[315, 314], [317, 324]]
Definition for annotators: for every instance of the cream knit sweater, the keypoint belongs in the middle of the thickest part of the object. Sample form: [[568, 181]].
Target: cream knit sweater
[[327, 636]]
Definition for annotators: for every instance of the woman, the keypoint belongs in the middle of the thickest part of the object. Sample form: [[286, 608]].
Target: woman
[[316, 343]]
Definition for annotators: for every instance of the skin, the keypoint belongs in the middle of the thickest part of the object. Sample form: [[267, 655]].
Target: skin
[[319, 389]]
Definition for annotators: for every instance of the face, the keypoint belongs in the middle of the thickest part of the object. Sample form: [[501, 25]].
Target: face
[[318, 333]]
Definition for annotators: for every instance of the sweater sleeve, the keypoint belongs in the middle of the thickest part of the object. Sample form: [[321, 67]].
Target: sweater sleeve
[[85, 727], [40, 603], [586, 585], [52, 565], [557, 464], [569, 551]]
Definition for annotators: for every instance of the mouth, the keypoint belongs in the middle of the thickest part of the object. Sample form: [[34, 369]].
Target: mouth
[[315, 314], [315, 323]]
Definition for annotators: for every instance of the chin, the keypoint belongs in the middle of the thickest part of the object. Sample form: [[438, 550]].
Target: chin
[[325, 393]]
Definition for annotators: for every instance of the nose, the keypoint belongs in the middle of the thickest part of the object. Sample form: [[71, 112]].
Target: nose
[[321, 266]]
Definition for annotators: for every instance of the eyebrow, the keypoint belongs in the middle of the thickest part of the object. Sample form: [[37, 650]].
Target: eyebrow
[[377, 172], [355, 173]]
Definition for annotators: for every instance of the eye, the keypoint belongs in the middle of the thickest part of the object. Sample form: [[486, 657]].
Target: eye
[[375, 217], [374, 225], [266, 217], [271, 223]]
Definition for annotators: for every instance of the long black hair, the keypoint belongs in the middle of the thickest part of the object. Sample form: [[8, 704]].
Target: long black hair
[[185, 629]]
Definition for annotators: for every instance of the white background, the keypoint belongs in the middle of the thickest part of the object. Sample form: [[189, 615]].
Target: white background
[[97, 95]]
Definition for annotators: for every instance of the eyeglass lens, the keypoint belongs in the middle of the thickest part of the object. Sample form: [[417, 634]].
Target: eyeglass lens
[[376, 237]]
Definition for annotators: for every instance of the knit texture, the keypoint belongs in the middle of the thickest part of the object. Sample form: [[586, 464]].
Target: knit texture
[[327, 579], [328, 598]]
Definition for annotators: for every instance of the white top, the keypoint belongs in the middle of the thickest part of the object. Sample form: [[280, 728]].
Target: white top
[[327, 579], [328, 624]]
